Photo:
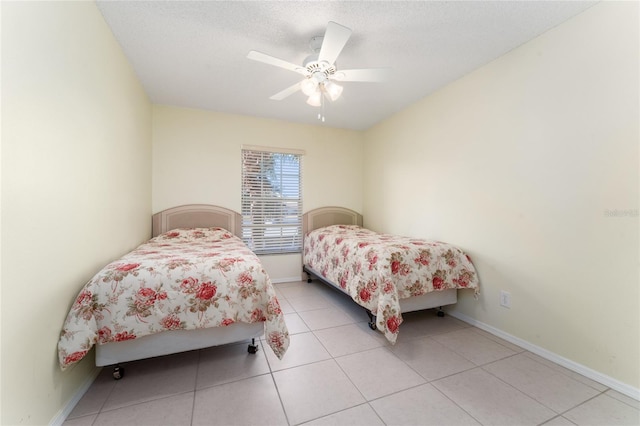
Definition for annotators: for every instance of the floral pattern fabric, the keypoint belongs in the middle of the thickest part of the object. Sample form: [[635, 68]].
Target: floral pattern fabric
[[377, 270], [184, 279]]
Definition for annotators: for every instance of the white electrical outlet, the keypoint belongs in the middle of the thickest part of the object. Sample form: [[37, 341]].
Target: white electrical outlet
[[505, 299]]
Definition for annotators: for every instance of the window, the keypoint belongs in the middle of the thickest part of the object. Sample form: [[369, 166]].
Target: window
[[271, 200]]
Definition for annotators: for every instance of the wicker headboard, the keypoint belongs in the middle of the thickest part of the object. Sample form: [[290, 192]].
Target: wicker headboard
[[325, 216], [196, 216]]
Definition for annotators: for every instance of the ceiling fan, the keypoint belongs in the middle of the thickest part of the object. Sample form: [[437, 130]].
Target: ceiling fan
[[319, 69]]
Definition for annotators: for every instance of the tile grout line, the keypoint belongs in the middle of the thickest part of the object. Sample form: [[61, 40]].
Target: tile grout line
[[580, 404], [519, 390], [429, 381], [137, 403], [494, 339], [105, 400], [275, 384], [345, 374], [480, 367], [559, 416], [195, 386], [565, 372], [454, 402]]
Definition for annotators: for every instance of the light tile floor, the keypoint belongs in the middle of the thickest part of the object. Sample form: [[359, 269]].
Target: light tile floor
[[337, 371]]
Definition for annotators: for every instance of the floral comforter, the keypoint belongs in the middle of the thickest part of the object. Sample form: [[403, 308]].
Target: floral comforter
[[184, 279], [377, 270]]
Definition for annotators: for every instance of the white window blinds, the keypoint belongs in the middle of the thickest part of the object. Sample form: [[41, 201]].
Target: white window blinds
[[271, 201]]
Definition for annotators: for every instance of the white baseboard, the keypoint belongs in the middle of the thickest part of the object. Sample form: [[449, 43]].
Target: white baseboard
[[605, 380], [64, 412]]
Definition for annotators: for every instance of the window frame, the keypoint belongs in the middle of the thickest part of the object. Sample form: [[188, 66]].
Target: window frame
[[271, 200]]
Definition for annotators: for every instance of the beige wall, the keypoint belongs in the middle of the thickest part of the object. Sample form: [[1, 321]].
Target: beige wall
[[76, 187], [196, 159], [522, 163]]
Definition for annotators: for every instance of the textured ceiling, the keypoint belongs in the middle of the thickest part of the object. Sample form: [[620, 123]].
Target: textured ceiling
[[193, 54]]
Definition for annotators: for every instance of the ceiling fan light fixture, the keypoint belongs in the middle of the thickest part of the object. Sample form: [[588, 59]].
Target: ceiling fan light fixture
[[333, 90], [315, 99], [309, 86]]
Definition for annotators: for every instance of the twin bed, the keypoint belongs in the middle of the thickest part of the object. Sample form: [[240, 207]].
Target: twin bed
[[386, 274], [195, 284]]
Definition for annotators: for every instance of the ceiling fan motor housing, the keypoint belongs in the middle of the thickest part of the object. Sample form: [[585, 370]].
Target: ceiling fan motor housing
[[320, 70]]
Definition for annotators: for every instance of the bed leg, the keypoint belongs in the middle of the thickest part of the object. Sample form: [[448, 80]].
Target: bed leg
[[118, 372], [253, 348], [440, 312], [372, 321]]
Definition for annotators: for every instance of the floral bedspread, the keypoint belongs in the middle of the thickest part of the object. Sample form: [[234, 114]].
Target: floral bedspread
[[377, 270], [184, 279]]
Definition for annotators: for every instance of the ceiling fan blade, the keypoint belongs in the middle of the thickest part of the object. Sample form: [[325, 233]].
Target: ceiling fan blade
[[335, 38], [365, 74], [286, 92], [272, 60]]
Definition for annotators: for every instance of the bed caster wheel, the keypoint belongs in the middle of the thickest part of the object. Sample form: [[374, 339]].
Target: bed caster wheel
[[309, 280], [253, 348], [440, 314], [118, 373], [372, 325]]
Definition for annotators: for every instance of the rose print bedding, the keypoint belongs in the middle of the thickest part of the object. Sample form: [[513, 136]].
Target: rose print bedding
[[181, 280], [377, 270]]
